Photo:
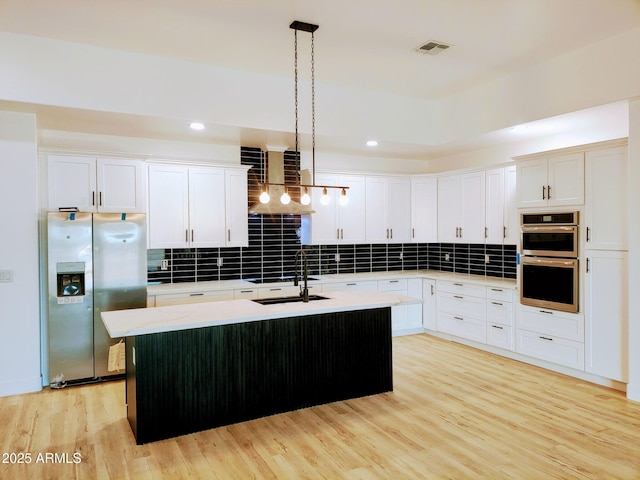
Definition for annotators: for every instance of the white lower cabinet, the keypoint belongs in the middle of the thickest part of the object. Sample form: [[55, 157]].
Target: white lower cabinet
[[551, 335], [429, 305], [606, 312], [553, 349], [500, 321], [193, 297], [461, 310], [404, 318]]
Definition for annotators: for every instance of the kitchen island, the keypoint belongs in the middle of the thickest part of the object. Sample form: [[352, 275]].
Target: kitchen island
[[199, 366]]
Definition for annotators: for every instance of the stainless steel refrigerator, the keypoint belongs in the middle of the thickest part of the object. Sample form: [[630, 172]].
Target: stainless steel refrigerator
[[96, 262]]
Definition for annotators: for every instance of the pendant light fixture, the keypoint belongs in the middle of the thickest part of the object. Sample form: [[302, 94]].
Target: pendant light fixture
[[305, 189]]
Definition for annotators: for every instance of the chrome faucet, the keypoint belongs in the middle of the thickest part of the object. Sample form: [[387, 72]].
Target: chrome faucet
[[304, 291]]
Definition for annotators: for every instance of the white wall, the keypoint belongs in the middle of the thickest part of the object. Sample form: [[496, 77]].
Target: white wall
[[19, 300], [633, 388]]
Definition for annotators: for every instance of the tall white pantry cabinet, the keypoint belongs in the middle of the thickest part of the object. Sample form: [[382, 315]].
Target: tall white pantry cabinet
[[605, 267]]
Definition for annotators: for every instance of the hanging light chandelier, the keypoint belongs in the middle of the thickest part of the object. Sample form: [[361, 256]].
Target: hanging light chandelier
[[305, 197]]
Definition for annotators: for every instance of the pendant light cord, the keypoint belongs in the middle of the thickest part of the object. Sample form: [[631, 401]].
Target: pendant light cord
[[295, 76], [313, 110]]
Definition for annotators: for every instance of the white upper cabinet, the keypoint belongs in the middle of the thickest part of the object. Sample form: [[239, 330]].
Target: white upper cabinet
[[502, 222], [388, 210], [109, 185], [605, 226], [424, 210], [495, 205], [334, 223], [551, 181], [511, 218], [197, 207], [461, 208], [236, 214]]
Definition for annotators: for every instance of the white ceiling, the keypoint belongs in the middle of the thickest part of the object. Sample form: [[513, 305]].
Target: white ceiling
[[367, 44]]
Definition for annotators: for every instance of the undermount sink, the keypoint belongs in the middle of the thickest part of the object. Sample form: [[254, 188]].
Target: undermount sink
[[295, 299]]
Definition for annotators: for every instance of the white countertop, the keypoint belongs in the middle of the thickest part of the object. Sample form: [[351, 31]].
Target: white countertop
[[139, 321], [176, 288]]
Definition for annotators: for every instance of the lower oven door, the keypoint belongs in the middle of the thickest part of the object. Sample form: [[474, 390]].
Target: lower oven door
[[549, 283]]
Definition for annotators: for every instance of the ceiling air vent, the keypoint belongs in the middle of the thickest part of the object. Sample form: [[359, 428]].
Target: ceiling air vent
[[432, 47]]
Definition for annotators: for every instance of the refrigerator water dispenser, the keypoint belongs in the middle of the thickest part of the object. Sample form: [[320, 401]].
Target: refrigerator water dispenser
[[70, 279]]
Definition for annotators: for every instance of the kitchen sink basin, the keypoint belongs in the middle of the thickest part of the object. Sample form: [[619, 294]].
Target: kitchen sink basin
[[294, 299]]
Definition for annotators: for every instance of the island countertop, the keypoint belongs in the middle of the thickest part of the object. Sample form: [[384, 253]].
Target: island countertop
[[140, 321]]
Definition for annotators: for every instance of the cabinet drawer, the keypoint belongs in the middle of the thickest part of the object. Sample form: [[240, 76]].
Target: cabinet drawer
[[553, 349], [461, 305], [459, 288], [249, 293], [392, 285], [281, 291], [342, 286], [500, 335], [500, 294], [500, 312], [193, 297], [551, 322], [465, 327]]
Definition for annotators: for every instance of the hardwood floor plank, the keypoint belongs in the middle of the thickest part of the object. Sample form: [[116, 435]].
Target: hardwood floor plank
[[455, 412]]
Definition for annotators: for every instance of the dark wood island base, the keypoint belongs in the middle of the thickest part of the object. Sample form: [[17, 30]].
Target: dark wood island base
[[185, 381]]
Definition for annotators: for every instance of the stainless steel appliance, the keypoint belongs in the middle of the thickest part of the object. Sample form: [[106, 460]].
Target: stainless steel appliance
[[96, 262], [549, 267], [550, 234]]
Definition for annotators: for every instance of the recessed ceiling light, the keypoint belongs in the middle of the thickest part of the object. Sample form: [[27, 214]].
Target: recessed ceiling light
[[372, 143], [196, 126]]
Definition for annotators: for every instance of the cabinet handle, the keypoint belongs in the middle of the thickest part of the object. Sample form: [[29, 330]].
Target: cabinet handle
[[497, 303], [496, 290], [275, 289], [413, 233], [459, 284], [387, 233], [486, 232], [229, 235], [588, 234], [458, 297], [431, 289], [246, 291], [504, 232], [186, 235], [460, 232], [548, 192], [543, 192], [337, 234], [341, 234], [588, 265], [351, 284], [196, 294], [391, 231], [546, 338], [459, 318], [93, 198], [100, 196], [497, 326], [192, 234], [394, 281], [547, 312]]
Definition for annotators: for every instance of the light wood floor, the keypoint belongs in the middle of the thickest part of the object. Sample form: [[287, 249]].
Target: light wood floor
[[455, 412]]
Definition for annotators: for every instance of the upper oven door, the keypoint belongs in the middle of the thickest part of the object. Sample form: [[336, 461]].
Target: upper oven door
[[550, 241]]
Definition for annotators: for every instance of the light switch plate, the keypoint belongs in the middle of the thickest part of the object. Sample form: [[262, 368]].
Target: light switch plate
[[6, 276]]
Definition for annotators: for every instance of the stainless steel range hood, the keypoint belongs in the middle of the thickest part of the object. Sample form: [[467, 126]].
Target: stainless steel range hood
[[275, 175]]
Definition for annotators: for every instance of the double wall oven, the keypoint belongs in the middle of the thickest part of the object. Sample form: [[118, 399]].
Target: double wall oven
[[549, 269]]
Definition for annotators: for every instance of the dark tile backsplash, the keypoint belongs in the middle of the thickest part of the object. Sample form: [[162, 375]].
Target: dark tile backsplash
[[274, 240]]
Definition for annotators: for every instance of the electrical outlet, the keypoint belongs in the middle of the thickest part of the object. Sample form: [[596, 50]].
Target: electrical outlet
[[401, 256], [487, 259], [220, 261], [337, 257], [446, 257], [6, 276], [164, 264]]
